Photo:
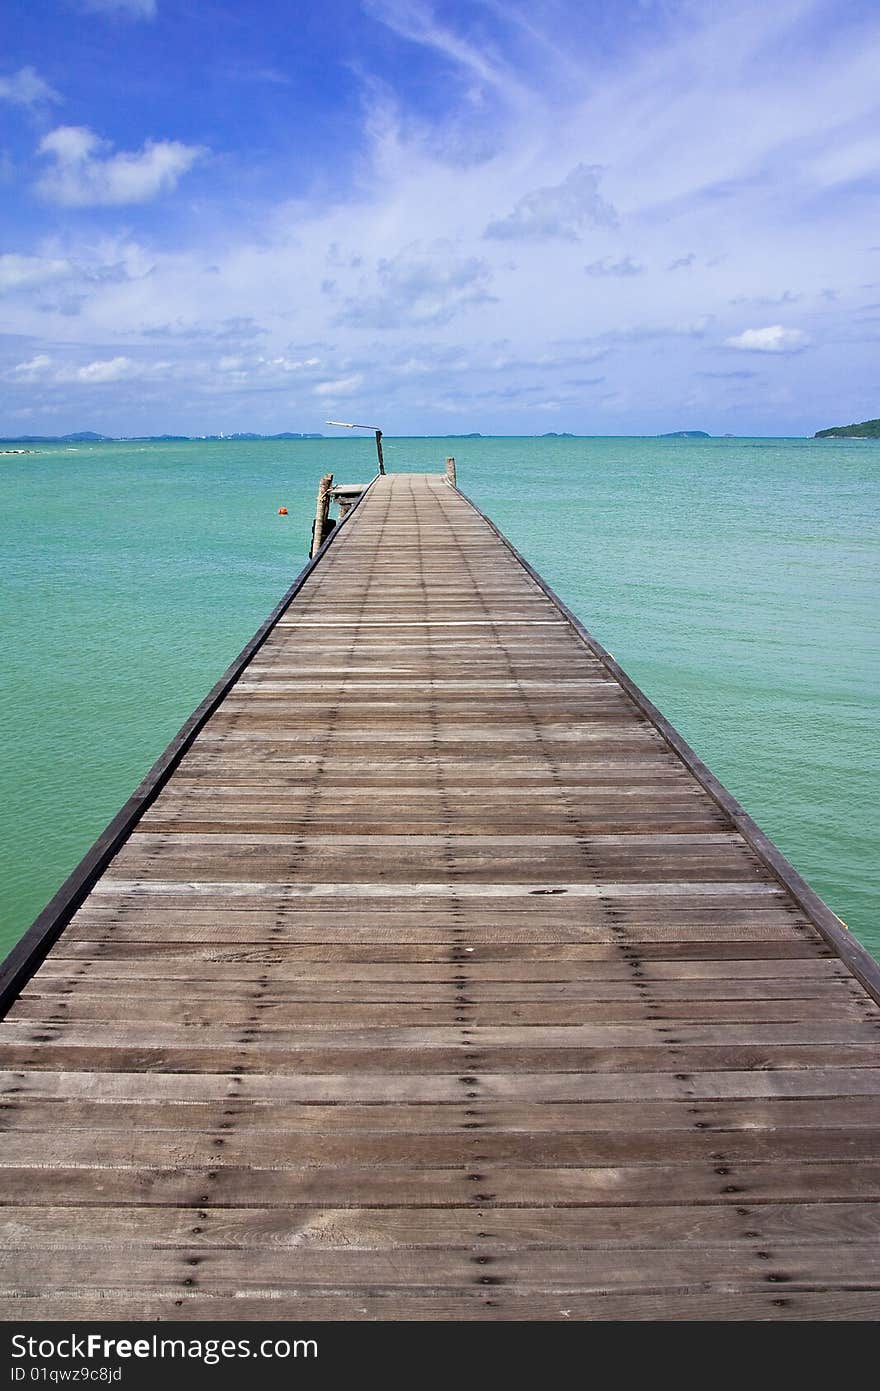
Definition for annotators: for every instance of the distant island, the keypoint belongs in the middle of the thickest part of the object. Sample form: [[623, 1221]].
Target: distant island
[[866, 430], [685, 435], [89, 437]]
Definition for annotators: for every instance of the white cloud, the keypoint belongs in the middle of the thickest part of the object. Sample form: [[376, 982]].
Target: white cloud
[[37, 367], [423, 284], [286, 364], [343, 386], [112, 369], [85, 173], [561, 210], [264, 368], [27, 88], [416, 22], [774, 339], [136, 9], [27, 272]]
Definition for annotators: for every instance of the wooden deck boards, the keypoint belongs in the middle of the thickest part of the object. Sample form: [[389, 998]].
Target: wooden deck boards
[[434, 984]]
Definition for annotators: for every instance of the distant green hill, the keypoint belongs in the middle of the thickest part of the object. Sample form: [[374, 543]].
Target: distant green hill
[[867, 430], [685, 435]]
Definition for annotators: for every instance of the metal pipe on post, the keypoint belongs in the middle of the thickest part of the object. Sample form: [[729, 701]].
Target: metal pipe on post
[[450, 471], [344, 425], [322, 507]]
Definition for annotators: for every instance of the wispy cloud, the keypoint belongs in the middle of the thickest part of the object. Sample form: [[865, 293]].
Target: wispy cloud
[[422, 285], [27, 88], [133, 9], [561, 210], [84, 173], [767, 301], [735, 376], [241, 329], [417, 22], [243, 72], [342, 386], [36, 366], [622, 268], [27, 272], [774, 339]]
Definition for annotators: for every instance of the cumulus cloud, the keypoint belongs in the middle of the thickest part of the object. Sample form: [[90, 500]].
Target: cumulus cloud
[[135, 9], [421, 285], [84, 173], [562, 210], [27, 88], [265, 368], [286, 364], [343, 386], [113, 369], [27, 272], [773, 339], [608, 266], [35, 367]]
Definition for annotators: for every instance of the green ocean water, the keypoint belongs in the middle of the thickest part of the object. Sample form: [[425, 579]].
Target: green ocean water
[[736, 580]]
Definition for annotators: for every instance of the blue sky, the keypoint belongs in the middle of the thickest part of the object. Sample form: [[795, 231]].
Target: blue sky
[[610, 218]]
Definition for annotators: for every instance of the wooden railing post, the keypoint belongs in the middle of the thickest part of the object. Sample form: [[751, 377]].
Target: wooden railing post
[[450, 471], [322, 507]]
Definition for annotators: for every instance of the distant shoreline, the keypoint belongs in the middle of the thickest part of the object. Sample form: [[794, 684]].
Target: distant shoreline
[[692, 436]]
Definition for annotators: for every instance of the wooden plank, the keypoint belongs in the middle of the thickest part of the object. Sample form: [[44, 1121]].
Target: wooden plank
[[783, 1225], [274, 1014], [250, 1054], [475, 1186], [453, 1086], [429, 1117], [164, 980], [736, 1305], [414, 1270], [491, 1040], [291, 1150]]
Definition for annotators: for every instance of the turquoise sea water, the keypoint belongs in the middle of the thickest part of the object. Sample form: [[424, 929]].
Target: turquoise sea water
[[736, 580]]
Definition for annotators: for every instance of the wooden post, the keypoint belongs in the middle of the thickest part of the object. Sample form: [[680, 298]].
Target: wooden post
[[322, 507], [450, 471], [379, 453]]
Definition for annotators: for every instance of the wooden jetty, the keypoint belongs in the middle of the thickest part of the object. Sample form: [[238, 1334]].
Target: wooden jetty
[[430, 975]]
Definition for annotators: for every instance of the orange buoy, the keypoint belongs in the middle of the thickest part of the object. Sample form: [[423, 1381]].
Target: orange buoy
[[282, 511]]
